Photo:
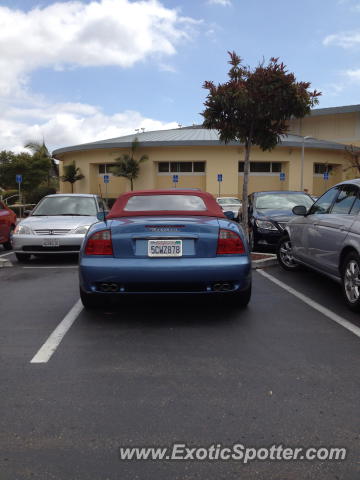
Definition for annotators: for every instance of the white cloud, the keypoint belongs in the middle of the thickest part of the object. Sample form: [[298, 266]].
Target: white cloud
[[224, 3], [353, 75], [345, 40], [74, 34], [100, 33], [69, 124]]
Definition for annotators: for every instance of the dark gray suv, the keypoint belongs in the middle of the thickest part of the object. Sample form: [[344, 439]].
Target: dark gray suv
[[326, 238]]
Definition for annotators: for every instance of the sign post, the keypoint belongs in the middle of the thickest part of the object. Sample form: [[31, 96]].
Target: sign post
[[19, 182], [106, 181], [282, 179], [326, 178], [175, 180], [219, 179]]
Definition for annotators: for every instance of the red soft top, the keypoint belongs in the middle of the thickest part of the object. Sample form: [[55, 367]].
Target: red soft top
[[212, 207]]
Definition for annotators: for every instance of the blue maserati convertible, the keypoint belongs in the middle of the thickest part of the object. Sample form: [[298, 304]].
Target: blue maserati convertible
[[177, 242]]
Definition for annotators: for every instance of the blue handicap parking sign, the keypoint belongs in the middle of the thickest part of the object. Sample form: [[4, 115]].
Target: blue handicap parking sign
[[326, 175], [219, 177], [175, 178], [18, 178], [282, 176], [106, 178]]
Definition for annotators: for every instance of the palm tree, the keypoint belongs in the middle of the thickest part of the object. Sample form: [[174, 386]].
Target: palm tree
[[41, 150], [127, 166], [71, 174]]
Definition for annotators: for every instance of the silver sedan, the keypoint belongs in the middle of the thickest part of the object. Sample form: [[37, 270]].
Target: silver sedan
[[57, 225], [326, 238]]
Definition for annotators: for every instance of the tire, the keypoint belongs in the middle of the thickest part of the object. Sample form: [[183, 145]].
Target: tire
[[241, 299], [23, 257], [90, 300], [7, 245], [284, 254], [350, 270]]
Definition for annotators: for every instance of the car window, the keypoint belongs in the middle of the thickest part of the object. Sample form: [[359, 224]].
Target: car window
[[324, 203], [345, 200], [102, 204], [282, 201], [142, 203]]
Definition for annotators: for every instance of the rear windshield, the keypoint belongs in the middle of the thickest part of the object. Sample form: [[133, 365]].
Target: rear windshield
[[142, 203]]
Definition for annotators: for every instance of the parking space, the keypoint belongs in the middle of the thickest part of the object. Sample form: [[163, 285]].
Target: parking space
[[154, 373]]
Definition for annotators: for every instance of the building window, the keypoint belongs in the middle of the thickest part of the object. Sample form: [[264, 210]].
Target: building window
[[320, 168], [106, 168], [181, 167], [262, 167]]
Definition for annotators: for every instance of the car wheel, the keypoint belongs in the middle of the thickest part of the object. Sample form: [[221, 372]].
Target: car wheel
[[351, 281], [23, 257], [284, 254], [241, 299], [89, 300], [7, 245]]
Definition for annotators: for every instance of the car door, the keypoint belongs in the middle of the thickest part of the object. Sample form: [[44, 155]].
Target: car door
[[333, 228], [304, 230]]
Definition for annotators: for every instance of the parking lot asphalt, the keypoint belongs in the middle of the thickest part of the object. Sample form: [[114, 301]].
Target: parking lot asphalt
[[155, 373]]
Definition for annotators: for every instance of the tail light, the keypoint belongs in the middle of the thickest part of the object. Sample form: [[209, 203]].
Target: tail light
[[99, 244], [229, 242]]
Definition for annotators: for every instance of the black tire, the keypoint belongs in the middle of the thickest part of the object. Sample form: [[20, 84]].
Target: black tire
[[23, 257], [241, 299], [350, 274], [7, 245], [90, 300], [284, 254]]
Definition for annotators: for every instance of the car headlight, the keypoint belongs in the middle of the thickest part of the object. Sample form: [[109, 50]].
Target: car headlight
[[265, 225], [82, 230], [22, 230]]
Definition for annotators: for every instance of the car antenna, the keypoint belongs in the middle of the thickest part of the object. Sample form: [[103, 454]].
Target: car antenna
[[102, 203]]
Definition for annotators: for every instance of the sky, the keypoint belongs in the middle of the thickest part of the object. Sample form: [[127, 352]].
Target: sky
[[79, 71]]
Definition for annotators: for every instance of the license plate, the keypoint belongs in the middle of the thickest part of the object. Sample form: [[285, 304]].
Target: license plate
[[51, 243], [165, 248]]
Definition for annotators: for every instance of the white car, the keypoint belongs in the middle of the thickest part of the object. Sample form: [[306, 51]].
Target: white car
[[230, 204], [57, 225]]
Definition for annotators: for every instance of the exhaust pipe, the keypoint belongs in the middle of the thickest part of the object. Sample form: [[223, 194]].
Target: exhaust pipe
[[109, 287], [222, 287]]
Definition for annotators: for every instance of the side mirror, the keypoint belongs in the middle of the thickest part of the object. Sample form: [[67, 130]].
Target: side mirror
[[101, 216], [229, 214], [299, 210]]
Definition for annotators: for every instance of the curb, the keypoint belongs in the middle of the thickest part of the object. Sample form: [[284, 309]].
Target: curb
[[5, 263], [265, 262]]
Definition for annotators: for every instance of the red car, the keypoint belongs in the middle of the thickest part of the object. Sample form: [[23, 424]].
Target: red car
[[7, 225]]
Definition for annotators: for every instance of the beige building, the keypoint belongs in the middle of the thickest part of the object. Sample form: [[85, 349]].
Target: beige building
[[316, 145]]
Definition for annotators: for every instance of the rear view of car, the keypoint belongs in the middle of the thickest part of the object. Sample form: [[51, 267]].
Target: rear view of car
[[165, 242], [7, 225]]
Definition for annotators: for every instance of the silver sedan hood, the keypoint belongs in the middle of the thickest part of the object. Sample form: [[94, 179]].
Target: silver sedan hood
[[68, 222]]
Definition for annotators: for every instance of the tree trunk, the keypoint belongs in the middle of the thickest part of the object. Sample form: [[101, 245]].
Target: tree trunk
[[245, 210], [72, 187], [131, 184]]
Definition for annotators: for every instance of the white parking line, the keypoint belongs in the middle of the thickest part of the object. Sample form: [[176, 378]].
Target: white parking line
[[48, 348], [320, 308], [5, 254]]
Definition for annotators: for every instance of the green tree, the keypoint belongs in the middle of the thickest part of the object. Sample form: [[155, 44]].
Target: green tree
[[127, 165], [71, 174], [34, 170], [41, 150], [253, 108]]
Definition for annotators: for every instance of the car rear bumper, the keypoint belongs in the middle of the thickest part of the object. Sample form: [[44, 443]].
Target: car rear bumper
[[34, 244], [223, 275]]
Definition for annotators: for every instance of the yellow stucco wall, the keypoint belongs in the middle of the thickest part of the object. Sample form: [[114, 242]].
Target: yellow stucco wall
[[218, 159]]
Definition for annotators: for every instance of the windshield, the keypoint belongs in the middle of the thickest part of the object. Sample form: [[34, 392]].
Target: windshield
[[63, 205], [229, 201], [282, 201], [143, 203]]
